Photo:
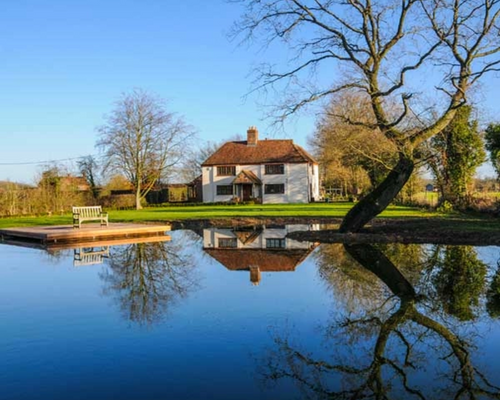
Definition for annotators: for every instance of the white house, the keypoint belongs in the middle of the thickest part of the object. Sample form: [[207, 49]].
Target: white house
[[269, 171]]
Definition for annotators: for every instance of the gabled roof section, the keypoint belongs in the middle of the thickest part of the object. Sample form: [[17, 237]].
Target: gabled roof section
[[246, 176], [247, 237], [265, 151], [196, 180]]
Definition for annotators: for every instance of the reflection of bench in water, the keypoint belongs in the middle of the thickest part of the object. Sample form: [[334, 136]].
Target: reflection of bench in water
[[90, 255]]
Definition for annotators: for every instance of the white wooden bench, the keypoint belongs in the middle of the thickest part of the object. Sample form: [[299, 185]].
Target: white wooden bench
[[93, 213]]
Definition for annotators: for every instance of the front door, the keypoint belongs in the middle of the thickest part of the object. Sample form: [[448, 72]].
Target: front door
[[247, 192]]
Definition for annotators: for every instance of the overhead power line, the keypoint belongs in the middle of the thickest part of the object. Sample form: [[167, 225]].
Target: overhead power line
[[42, 162]]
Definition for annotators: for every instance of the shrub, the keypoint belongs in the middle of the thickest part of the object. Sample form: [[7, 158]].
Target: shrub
[[486, 205], [118, 201], [446, 207]]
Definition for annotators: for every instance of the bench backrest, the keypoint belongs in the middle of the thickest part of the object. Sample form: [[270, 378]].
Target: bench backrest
[[87, 212]]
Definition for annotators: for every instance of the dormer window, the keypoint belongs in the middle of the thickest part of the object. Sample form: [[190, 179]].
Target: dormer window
[[275, 169], [226, 170]]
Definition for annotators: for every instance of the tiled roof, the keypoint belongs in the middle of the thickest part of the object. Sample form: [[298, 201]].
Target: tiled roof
[[247, 177], [266, 260], [265, 151]]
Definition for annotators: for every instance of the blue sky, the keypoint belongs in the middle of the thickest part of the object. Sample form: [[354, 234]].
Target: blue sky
[[64, 63]]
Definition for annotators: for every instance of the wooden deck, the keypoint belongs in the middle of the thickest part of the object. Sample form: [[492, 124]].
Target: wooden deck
[[86, 243], [89, 232]]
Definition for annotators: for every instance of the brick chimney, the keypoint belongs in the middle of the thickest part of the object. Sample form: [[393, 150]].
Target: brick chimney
[[252, 136], [255, 275]]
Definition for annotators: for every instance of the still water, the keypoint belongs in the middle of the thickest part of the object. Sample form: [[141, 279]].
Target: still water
[[249, 314]]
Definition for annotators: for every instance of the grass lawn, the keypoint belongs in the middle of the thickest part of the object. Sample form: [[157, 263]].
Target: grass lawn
[[165, 214]]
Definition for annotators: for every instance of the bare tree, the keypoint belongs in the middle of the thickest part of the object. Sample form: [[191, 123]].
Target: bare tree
[[142, 140], [191, 165], [379, 44], [194, 157]]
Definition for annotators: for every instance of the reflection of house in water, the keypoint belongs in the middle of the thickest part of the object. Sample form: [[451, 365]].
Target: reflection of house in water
[[257, 249]]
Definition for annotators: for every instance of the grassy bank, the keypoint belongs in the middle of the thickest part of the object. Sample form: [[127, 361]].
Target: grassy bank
[[166, 214]]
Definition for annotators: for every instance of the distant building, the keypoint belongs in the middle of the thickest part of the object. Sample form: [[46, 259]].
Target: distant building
[[65, 183], [267, 171], [176, 193], [78, 183], [257, 250]]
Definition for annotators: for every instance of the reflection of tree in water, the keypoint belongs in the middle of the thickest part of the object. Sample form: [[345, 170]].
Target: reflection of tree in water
[[384, 352], [493, 297], [352, 285], [56, 256], [148, 278], [460, 280]]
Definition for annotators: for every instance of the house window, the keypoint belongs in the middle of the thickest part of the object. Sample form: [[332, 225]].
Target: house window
[[274, 189], [275, 243], [228, 243], [227, 170], [275, 169], [224, 190]]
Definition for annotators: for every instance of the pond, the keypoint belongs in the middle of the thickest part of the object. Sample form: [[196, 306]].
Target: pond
[[249, 314]]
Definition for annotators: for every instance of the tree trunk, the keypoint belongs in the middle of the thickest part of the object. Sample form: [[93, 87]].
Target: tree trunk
[[138, 205], [378, 200], [372, 259]]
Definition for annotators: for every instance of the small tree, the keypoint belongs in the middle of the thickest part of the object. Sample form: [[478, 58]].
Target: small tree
[[492, 139], [352, 157], [89, 167], [141, 140], [50, 197], [457, 152]]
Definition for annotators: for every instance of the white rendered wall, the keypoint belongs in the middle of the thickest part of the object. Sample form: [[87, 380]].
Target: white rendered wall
[[297, 178], [274, 180], [211, 238], [297, 188], [314, 180], [210, 180], [206, 182]]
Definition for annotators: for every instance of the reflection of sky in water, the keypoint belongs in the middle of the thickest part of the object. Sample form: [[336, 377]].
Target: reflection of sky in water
[[66, 331]]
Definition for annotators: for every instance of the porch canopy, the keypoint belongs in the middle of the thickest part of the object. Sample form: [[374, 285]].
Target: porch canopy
[[246, 177]]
